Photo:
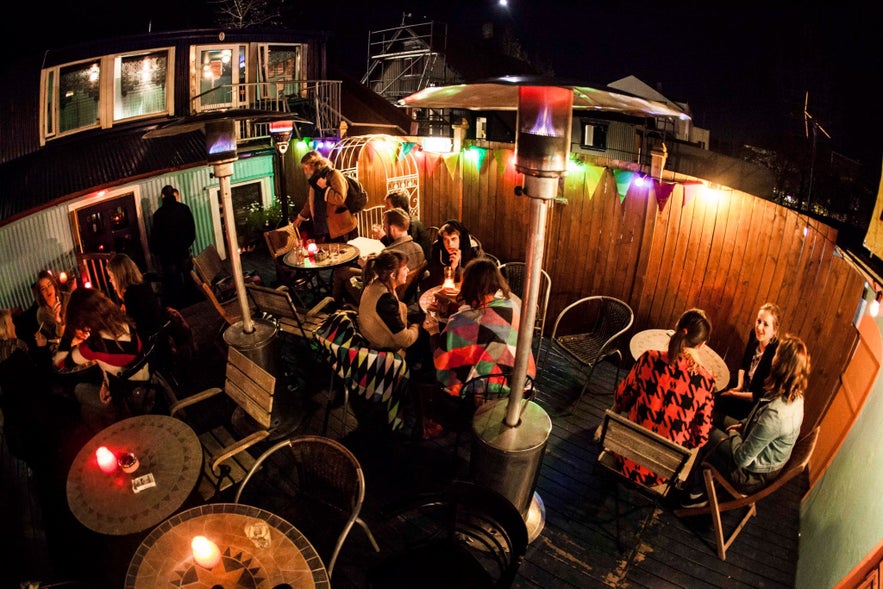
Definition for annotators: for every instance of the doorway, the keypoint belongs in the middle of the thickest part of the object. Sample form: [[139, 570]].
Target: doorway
[[111, 225]]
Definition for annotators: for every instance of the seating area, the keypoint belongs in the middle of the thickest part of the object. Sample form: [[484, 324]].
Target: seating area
[[574, 549]]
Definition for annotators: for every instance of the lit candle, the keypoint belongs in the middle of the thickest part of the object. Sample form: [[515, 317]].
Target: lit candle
[[312, 248], [205, 552], [448, 284], [107, 462], [62, 277]]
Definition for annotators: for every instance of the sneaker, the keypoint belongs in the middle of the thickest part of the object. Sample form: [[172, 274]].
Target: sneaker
[[694, 500]]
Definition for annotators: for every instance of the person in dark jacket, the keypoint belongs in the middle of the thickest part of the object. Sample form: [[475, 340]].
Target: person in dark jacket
[[170, 239], [747, 385], [454, 248]]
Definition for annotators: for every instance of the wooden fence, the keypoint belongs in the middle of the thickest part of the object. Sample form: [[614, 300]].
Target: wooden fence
[[724, 251]]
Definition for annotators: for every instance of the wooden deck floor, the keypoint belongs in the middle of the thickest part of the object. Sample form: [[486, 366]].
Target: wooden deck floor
[[577, 547]]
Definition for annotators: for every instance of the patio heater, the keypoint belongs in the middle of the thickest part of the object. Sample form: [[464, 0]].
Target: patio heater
[[510, 436], [254, 339]]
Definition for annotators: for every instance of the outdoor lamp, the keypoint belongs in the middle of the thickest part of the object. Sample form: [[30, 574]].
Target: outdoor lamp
[[280, 131]]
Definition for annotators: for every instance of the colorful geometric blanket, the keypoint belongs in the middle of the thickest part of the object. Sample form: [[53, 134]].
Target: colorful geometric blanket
[[377, 375]]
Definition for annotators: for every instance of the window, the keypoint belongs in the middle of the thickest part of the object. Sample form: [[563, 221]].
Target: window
[[78, 92], [594, 135], [101, 91], [221, 80], [139, 85], [278, 68]]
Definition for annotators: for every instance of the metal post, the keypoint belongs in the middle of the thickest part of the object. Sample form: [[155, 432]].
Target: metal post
[[535, 250], [223, 172]]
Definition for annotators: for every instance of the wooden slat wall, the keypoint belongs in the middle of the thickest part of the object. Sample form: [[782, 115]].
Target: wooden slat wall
[[727, 253]]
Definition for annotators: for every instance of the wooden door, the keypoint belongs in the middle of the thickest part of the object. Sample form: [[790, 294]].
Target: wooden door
[[111, 226]]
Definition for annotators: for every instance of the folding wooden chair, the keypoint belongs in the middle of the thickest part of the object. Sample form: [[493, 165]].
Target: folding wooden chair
[[259, 413], [800, 456], [277, 303], [621, 436]]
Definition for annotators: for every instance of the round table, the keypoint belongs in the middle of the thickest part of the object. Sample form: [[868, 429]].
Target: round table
[[258, 550], [348, 253], [167, 448], [657, 339]]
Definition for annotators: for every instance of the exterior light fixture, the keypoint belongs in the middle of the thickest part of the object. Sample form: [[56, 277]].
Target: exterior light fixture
[[280, 132]]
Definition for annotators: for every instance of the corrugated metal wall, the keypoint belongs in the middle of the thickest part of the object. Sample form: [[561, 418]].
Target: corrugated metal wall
[[32, 244], [22, 258]]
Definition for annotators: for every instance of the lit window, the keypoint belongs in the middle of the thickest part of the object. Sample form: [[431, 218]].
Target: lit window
[[594, 135], [78, 90], [139, 85]]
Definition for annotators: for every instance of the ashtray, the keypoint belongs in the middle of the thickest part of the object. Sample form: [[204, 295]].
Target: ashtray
[[128, 462]]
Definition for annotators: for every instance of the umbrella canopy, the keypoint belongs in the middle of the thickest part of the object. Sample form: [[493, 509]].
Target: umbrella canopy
[[502, 94]]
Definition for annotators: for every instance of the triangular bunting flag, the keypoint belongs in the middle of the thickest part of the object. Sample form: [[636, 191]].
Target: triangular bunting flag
[[623, 181], [690, 190], [502, 158], [592, 178], [663, 191], [451, 161]]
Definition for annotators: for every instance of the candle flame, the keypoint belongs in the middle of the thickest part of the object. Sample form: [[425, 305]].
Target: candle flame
[[205, 552]]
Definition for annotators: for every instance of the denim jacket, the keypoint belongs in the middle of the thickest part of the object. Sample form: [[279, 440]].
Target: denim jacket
[[768, 435]]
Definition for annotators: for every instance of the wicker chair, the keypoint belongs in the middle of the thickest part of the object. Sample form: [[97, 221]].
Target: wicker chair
[[479, 540], [318, 483], [514, 273], [588, 330]]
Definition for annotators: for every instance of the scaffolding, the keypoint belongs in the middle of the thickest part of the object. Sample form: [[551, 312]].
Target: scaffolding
[[406, 59]]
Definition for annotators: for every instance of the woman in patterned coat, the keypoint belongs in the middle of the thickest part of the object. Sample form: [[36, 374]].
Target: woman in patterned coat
[[670, 392], [480, 338]]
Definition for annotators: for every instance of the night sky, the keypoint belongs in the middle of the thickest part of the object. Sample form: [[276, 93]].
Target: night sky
[[742, 67]]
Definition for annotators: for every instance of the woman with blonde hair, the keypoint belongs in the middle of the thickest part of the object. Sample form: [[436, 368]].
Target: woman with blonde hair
[[325, 206], [752, 453], [139, 301], [747, 386]]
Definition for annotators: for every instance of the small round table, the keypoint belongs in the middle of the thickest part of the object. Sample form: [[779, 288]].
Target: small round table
[[258, 550], [347, 254], [313, 265], [167, 448], [657, 339]]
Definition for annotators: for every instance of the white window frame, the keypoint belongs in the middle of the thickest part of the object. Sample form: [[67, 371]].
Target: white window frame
[[214, 194], [49, 117]]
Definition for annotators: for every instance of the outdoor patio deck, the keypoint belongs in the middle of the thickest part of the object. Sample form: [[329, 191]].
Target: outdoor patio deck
[[577, 547]]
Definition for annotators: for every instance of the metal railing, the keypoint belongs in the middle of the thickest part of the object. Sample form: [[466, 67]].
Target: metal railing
[[317, 101]]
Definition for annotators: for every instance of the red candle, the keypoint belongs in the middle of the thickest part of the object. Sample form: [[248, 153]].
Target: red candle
[[312, 248], [205, 552], [107, 462], [62, 277]]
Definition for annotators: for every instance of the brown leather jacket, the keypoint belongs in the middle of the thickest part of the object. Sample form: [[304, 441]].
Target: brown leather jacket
[[340, 220]]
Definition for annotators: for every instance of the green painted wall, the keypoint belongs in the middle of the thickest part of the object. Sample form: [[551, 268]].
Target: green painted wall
[[842, 518]]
